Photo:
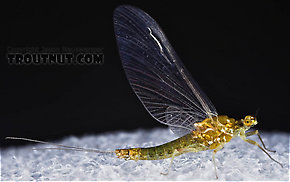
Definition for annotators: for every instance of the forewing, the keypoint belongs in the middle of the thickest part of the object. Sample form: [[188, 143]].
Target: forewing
[[176, 116], [156, 74]]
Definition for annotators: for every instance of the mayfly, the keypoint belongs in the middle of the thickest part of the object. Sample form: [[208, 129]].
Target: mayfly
[[169, 94]]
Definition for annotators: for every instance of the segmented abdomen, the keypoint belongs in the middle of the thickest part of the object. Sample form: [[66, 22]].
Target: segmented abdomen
[[167, 150], [152, 153]]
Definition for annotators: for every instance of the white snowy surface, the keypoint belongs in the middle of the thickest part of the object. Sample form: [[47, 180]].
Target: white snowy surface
[[237, 161]]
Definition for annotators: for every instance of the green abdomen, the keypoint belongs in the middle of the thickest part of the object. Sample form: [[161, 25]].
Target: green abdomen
[[167, 150]]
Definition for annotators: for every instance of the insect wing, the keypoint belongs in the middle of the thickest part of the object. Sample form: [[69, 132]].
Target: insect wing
[[156, 74]]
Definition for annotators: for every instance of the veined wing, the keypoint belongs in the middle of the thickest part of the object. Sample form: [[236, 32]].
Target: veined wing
[[156, 74]]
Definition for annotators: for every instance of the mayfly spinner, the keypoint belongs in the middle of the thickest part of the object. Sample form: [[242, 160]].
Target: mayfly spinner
[[169, 94]]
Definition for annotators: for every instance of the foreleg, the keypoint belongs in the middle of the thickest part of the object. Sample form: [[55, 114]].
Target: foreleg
[[256, 132], [255, 143]]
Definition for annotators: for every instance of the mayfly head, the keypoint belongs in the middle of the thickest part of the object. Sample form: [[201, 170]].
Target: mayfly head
[[249, 121]]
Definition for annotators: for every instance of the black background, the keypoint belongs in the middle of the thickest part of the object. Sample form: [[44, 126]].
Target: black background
[[237, 51]]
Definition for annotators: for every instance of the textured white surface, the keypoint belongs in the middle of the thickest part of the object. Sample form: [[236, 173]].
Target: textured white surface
[[237, 161]]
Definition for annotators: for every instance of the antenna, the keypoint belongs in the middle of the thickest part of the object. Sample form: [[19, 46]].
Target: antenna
[[59, 146]]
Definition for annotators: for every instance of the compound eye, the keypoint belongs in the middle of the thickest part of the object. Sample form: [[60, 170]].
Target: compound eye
[[247, 122]]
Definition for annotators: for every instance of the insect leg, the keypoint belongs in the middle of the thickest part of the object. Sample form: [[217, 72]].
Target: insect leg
[[257, 133], [170, 165], [213, 158], [255, 143]]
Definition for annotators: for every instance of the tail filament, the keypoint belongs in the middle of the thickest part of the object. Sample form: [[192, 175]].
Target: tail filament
[[58, 146]]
